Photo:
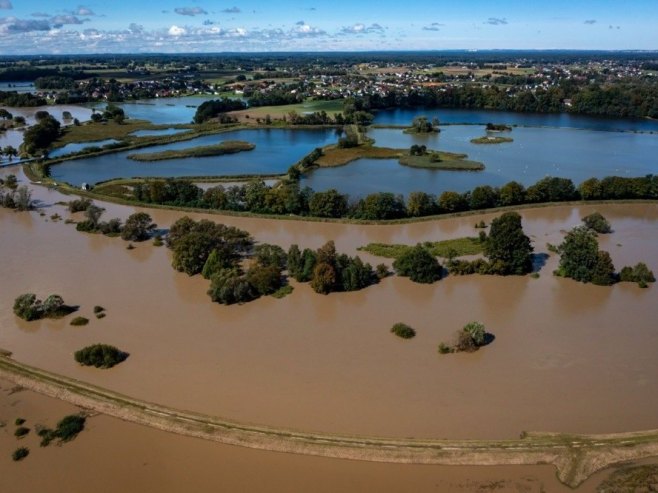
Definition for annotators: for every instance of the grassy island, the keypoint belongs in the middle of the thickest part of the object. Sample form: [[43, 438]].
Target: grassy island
[[446, 248], [441, 160], [488, 139], [227, 147], [340, 156]]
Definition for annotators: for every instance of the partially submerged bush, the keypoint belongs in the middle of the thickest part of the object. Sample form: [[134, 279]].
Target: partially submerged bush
[[79, 205], [28, 307], [471, 338], [20, 454], [403, 331], [641, 274], [67, 429], [79, 321], [419, 265], [596, 222], [21, 431], [100, 356]]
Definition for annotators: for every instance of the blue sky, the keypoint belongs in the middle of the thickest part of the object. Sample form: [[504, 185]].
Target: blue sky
[[122, 26]]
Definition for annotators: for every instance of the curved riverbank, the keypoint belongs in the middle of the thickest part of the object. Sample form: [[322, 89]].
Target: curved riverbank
[[576, 457]]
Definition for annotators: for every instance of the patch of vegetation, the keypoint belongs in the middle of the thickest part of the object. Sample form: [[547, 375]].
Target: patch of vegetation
[[29, 308], [157, 241], [471, 338], [19, 421], [98, 309], [101, 315], [227, 147], [79, 321], [421, 125], [79, 205], [283, 291], [403, 331], [598, 223], [67, 429], [100, 356], [445, 248], [419, 265], [439, 160], [641, 274], [340, 156], [20, 454], [138, 227], [21, 431], [631, 479], [581, 259], [489, 139], [493, 127]]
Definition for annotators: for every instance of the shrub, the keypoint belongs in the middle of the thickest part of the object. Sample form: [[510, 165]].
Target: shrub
[[382, 271], [640, 274], [229, 286], [21, 431], [138, 227], [19, 421], [67, 429], [20, 453], [79, 205], [403, 331], [444, 348], [598, 223], [98, 309], [100, 356], [28, 307], [79, 321], [419, 265]]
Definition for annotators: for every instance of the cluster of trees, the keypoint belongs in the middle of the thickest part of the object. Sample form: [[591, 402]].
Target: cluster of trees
[[21, 99], [100, 356], [111, 112], [288, 198], [581, 260], [276, 97], [323, 118], [419, 265], [328, 271], [67, 429], [507, 249], [138, 226], [212, 108], [54, 82], [28, 307], [19, 198], [39, 136], [622, 99], [597, 223], [421, 125]]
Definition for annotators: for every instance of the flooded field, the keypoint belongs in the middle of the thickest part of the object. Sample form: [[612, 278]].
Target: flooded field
[[114, 455], [567, 356]]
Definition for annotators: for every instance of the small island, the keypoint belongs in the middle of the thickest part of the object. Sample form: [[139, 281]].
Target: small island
[[421, 157], [421, 125], [227, 147], [491, 139]]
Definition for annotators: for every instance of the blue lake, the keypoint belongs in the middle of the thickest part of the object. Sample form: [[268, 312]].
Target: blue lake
[[276, 150], [78, 146]]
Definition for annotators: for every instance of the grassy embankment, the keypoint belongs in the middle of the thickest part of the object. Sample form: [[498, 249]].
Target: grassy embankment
[[227, 147], [487, 139], [91, 131], [445, 248], [576, 457]]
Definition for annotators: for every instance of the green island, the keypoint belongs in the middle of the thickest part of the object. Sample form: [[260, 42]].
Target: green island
[[227, 147], [446, 248], [488, 139], [441, 160]]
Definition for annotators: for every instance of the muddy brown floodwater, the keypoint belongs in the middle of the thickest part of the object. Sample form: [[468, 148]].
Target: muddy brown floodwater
[[117, 456], [567, 357]]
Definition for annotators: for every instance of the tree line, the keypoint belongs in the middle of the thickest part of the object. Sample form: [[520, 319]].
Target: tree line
[[287, 197]]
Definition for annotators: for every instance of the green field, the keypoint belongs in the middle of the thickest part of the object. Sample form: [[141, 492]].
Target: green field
[[457, 247]]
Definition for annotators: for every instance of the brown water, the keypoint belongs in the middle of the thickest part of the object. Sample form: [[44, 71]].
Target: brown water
[[117, 456], [567, 356]]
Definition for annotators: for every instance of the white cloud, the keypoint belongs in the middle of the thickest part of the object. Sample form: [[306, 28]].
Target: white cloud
[[6, 5], [177, 31], [360, 28]]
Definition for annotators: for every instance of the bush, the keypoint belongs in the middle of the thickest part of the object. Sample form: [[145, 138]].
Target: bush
[[138, 227], [419, 265], [403, 331], [598, 223], [79, 321], [29, 308], [20, 453], [98, 309], [472, 337], [21, 431], [229, 286], [445, 349], [79, 205], [100, 356], [67, 429], [640, 274], [19, 421]]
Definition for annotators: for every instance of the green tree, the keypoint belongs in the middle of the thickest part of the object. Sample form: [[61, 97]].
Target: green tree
[[597, 222], [418, 264], [138, 227], [328, 204], [452, 202], [579, 254], [421, 204], [512, 193], [483, 197], [507, 247], [324, 278]]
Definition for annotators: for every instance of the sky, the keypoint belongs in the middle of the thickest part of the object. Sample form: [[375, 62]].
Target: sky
[[189, 26]]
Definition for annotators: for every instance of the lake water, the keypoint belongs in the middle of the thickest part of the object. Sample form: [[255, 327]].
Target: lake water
[[404, 116], [78, 146], [534, 154], [276, 150], [157, 133], [20, 87], [161, 111]]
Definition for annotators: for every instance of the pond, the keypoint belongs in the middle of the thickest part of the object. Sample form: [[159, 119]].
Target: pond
[[78, 146], [157, 133], [276, 150], [404, 116], [534, 154]]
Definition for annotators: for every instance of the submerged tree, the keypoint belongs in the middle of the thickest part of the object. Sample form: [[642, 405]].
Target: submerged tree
[[507, 247]]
